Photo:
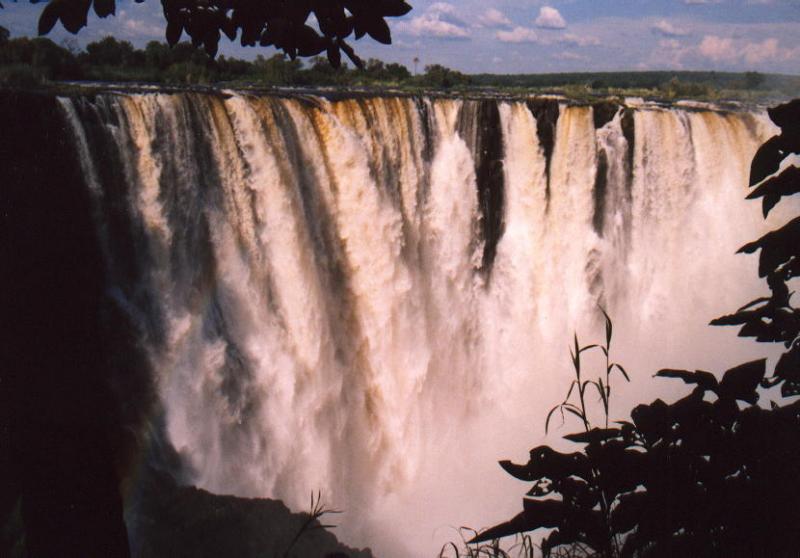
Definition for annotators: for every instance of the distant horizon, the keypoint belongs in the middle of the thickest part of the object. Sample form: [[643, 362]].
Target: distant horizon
[[527, 36]]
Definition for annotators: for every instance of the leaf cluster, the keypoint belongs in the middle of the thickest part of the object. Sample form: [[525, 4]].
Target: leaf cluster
[[775, 318], [278, 23], [691, 478], [580, 385]]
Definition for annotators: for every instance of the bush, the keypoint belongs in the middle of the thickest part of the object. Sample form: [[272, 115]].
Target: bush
[[21, 75]]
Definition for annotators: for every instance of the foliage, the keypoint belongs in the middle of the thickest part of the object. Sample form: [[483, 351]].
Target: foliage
[[713, 474], [753, 80], [439, 76], [256, 22], [579, 385], [43, 58], [523, 547], [21, 75], [316, 512], [709, 85], [110, 59], [34, 61], [774, 319], [677, 89]]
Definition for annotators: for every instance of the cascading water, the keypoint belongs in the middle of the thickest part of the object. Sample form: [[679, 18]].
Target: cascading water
[[373, 297]]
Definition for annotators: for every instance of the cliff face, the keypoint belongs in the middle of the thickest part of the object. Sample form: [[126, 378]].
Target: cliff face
[[60, 427], [180, 521]]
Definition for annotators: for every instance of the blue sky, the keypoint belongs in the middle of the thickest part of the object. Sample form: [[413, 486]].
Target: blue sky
[[517, 36]]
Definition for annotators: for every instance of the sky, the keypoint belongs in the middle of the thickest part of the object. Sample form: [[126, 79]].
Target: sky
[[529, 36]]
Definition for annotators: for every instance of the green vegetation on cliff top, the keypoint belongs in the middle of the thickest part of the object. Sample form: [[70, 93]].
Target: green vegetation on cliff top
[[26, 62]]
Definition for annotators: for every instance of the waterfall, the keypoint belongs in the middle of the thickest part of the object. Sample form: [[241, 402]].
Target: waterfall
[[373, 297]]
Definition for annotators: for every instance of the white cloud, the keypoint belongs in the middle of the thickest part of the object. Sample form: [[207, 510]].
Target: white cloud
[[580, 40], [138, 28], [518, 35], [768, 49], [665, 28], [494, 18], [439, 21], [442, 8], [550, 18], [726, 50], [670, 53], [718, 49]]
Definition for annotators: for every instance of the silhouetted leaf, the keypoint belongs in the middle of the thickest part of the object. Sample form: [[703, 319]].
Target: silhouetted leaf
[[690, 411], [609, 328], [334, 56], [577, 492], [49, 17], [786, 183], [777, 247], [704, 380], [547, 513], [741, 382], [348, 50], [651, 420], [521, 472], [790, 389], [788, 367], [768, 159], [229, 28], [309, 43], [211, 43], [543, 487], [786, 116], [394, 8], [734, 319], [621, 369], [545, 462], [550, 414], [594, 435], [378, 29], [536, 514], [628, 512], [174, 31], [577, 412], [74, 14], [359, 26], [104, 8]]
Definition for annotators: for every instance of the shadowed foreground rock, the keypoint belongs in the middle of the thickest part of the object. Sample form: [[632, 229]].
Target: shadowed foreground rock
[[176, 521]]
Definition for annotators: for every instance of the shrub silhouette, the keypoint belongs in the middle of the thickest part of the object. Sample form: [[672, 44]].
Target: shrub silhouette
[[256, 22], [713, 474]]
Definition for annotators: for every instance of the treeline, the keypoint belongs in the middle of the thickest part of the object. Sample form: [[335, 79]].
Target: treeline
[[677, 83], [25, 61], [29, 62]]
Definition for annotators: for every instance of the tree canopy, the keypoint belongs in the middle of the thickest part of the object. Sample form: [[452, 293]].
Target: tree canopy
[[279, 23]]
